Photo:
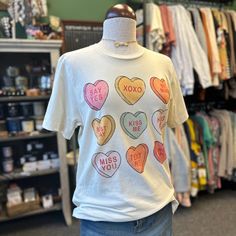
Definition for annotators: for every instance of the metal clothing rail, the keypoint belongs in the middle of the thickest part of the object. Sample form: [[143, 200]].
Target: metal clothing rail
[[215, 3]]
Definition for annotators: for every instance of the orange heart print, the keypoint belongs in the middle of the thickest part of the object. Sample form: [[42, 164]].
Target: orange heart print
[[130, 90], [104, 129], [136, 157], [160, 88]]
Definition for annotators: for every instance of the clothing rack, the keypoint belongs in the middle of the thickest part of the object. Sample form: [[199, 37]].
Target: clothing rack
[[186, 3], [215, 3], [206, 106]]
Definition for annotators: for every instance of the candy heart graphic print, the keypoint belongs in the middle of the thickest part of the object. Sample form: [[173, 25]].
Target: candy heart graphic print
[[137, 156], [130, 90], [159, 152], [104, 129], [96, 94], [133, 124], [160, 88], [106, 164], [159, 119]]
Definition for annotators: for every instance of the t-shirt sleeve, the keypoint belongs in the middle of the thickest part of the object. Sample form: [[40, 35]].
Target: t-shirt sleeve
[[177, 110], [62, 113]]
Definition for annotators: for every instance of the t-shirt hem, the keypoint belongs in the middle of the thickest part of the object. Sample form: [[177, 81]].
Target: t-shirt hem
[[206, 84], [171, 199]]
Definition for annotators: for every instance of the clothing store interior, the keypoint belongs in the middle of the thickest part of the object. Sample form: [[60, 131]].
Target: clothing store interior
[[74, 160]]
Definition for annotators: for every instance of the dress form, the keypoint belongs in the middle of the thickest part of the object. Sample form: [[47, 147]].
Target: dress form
[[121, 10], [119, 33]]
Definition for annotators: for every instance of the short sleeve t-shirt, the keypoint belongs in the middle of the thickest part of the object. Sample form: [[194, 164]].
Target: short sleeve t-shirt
[[122, 107]]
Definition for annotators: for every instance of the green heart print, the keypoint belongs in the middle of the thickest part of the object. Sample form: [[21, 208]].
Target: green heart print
[[133, 124]]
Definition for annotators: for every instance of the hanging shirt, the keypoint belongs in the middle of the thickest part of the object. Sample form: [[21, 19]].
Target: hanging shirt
[[231, 44], [180, 165], [183, 142], [139, 29], [226, 163], [212, 183], [122, 106], [221, 43], [188, 53], [155, 36], [226, 35], [216, 131], [233, 123], [233, 15], [214, 57], [198, 26], [168, 30], [181, 137], [230, 144], [207, 140], [198, 171]]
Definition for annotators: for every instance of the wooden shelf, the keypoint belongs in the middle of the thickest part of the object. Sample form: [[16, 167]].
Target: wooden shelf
[[24, 98], [56, 207], [50, 48], [27, 137], [29, 45], [21, 175]]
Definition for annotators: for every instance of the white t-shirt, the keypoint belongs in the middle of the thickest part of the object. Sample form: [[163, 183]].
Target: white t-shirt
[[122, 107]]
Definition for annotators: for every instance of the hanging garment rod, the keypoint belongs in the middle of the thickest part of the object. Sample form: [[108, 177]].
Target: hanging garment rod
[[216, 3], [187, 3]]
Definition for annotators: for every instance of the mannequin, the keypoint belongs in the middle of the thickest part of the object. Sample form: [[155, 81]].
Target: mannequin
[[119, 33], [121, 96], [120, 10]]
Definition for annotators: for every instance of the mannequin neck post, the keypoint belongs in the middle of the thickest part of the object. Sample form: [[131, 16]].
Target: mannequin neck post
[[119, 29], [119, 38]]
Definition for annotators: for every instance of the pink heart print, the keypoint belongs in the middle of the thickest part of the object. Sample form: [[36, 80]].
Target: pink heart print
[[106, 164], [159, 119], [96, 94]]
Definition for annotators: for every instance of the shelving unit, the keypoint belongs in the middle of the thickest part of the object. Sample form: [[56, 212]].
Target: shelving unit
[[51, 48], [19, 174], [23, 98], [56, 207], [28, 137]]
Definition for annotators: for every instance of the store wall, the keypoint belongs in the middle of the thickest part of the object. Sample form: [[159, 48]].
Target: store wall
[[91, 10]]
